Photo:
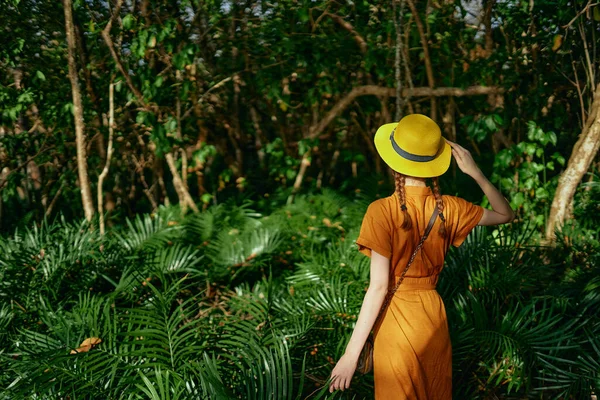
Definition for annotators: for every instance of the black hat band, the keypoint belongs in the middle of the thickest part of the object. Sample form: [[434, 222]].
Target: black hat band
[[410, 156]]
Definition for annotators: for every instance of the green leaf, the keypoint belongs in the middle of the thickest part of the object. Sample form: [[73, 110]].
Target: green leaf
[[490, 123], [40, 75], [290, 174], [144, 118], [498, 119], [530, 148], [128, 21], [539, 152], [303, 147], [558, 158], [206, 198], [531, 130], [552, 137], [503, 158], [517, 200], [303, 15], [541, 193]]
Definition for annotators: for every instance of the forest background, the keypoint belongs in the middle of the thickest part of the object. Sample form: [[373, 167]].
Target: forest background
[[182, 182]]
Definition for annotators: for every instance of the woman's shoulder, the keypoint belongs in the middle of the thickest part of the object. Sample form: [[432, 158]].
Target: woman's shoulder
[[382, 204], [451, 199], [456, 203], [459, 211], [381, 209]]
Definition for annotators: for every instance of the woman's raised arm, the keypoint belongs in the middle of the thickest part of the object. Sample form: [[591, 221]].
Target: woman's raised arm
[[502, 213]]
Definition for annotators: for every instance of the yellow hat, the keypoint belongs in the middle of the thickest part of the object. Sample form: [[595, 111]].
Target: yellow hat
[[414, 147]]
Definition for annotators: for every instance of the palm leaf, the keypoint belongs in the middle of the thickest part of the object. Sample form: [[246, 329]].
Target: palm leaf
[[147, 232]]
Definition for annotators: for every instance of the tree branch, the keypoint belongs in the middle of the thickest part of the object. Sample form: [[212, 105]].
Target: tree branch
[[373, 90], [362, 44], [4, 180], [111, 47]]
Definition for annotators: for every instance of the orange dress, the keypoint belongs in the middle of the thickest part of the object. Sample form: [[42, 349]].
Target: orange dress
[[412, 355]]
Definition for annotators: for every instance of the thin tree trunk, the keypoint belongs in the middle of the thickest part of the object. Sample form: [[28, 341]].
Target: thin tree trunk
[[111, 47], [185, 198], [83, 58], [300, 177], [260, 139], [334, 158], [17, 74], [184, 159], [583, 154], [109, 152], [56, 196], [158, 171], [428, 66], [371, 145], [84, 183], [184, 195], [151, 192], [398, 18]]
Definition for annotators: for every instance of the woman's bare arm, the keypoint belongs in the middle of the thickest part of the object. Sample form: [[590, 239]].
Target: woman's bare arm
[[501, 213], [372, 302], [378, 287]]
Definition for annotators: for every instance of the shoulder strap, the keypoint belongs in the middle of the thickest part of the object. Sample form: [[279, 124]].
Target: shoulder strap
[[412, 258], [414, 254]]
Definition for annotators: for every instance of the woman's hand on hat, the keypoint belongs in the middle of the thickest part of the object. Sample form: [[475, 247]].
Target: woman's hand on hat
[[464, 159]]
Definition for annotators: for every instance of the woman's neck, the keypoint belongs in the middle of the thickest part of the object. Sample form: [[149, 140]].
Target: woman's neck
[[413, 181]]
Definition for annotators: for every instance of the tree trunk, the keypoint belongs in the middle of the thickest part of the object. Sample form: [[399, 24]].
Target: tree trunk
[[98, 138], [185, 199], [260, 138], [84, 183], [109, 152], [304, 164], [184, 159], [398, 19], [428, 64], [581, 158]]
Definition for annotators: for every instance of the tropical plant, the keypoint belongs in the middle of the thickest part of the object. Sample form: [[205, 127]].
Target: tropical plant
[[230, 303]]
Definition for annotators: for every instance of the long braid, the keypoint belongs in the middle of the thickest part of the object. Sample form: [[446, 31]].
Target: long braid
[[400, 180], [439, 205]]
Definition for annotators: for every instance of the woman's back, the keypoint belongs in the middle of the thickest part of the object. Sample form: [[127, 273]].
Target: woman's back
[[381, 230]]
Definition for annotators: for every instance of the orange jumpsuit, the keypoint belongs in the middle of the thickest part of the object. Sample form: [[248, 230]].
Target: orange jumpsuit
[[412, 355]]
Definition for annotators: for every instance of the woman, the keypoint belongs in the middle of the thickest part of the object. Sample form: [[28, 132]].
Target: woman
[[412, 356]]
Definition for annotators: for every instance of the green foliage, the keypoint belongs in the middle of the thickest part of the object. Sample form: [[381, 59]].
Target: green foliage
[[240, 87], [230, 303], [523, 172], [482, 128], [235, 303]]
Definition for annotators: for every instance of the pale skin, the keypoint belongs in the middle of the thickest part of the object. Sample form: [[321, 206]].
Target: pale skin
[[501, 213]]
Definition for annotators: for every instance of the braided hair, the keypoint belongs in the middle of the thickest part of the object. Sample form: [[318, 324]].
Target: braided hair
[[439, 205], [400, 180]]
